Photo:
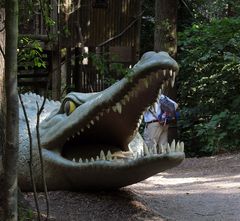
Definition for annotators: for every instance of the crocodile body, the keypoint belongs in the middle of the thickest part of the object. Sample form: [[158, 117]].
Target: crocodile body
[[91, 141]]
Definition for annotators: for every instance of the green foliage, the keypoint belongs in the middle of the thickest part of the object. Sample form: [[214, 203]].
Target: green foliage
[[209, 86], [30, 54], [112, 71], [25, 214]]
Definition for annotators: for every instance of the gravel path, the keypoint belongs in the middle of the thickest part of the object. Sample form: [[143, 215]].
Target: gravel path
[[200, 189]]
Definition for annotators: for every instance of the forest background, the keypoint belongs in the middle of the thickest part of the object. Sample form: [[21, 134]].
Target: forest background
[[208, 83]]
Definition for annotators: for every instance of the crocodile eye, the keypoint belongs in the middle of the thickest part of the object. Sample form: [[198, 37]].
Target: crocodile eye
[[69, 107]]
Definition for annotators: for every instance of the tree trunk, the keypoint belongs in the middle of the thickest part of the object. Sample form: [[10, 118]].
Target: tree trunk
[[11, 147], [165, 39], [165, 35], [2, 90], [2, 103]]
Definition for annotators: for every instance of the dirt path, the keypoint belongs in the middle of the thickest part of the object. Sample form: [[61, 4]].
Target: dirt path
[[206, 189]]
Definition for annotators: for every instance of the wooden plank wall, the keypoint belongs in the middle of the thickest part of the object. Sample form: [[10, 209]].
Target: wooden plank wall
[[90, 27], [98, 25]]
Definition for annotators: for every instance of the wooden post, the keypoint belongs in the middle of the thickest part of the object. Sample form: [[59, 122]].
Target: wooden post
[[165, 34], [165, 39], [68, 70], [56, 55], [56, 75], [76, 79], [12, 129]]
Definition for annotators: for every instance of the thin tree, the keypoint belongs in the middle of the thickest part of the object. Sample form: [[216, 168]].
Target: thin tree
[[165, 34], [11, 147], [2, 81]]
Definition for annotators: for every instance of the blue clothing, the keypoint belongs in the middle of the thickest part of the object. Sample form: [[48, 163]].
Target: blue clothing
[[155, 113]]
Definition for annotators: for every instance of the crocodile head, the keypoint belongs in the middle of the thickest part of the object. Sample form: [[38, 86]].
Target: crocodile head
[[92, 140]]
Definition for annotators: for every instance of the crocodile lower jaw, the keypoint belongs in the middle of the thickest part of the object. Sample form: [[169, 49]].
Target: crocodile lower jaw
[[120, 156], [106, 173]]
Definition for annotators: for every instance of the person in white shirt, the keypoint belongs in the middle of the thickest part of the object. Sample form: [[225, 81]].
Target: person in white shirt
[[156, 124]]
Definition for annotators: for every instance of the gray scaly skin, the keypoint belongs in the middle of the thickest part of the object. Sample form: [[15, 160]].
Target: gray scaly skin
[[95, 144]]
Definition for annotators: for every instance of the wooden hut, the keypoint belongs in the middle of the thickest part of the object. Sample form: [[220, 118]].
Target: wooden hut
[[93, 27]]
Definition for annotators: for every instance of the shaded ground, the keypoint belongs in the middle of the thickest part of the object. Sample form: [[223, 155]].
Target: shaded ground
[[199, 189]]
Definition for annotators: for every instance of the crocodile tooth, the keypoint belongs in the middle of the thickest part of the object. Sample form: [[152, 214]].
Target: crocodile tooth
[[162, 149], [108, 110], [92, 160], [68, 138], [145, 83], [73, 160], [126, 97], [168, 149], [154, 150], [119, 107], [182, 147], [172, 82], [173, 146], [73, 136], [82, 130], [109, 155], [173, 79], [166, 83], [136, 156], [174, 75], [88, 126], [165, 146], [178, 147], [149, 79], [102, 155], [160, 92], [78, 133], [80, 160], [97, 117], [101, 113], [140, 119], [139, 124], [162, 87], [170, 73], [92, 122], [86, 160], [146, 151], [114, 108], [97, 158], [150, 151], [164, 72], [115, 158]]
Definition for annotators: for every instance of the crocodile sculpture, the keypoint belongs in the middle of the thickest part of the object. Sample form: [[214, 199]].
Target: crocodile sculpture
[[91, 141]]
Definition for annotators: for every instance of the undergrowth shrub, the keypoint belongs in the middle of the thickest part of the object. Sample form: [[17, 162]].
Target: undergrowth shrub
[[209, 86]]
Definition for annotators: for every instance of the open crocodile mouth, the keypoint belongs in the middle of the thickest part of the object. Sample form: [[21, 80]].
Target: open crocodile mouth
[[106, 137], [102, 126], [95, 152]]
